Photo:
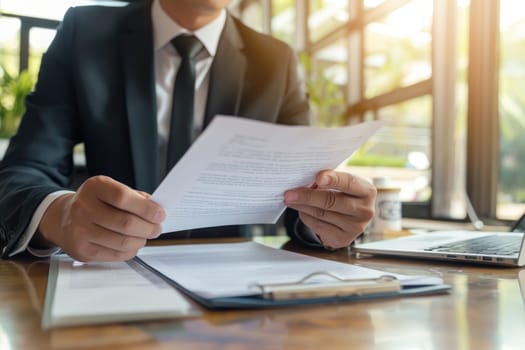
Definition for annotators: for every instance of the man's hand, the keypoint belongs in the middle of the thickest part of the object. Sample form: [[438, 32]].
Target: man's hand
[[337, 207], [103, 221]]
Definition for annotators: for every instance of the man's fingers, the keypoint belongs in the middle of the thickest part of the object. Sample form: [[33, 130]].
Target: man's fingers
[[330, 235], [90, 242], [124, 198], [337, 207], [94, 252], [336, 191], [345, 182], [103, 221], [341, 221], [124, 222], [329, 200], [115, 241]]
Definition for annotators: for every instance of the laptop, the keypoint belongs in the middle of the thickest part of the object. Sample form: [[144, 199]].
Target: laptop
[[494, 248]]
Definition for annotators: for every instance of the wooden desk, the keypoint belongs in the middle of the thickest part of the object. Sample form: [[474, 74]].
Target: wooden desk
[[484, 310]]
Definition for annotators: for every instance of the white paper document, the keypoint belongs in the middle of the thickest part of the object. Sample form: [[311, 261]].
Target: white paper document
[[237, 171], [92, 293], [235, 269]]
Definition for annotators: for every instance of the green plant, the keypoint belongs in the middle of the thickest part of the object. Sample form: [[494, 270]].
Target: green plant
[[13, 91], [376, 160], [326, 98]]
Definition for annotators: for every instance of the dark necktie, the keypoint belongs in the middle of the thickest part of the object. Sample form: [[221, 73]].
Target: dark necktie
[[181, 126]]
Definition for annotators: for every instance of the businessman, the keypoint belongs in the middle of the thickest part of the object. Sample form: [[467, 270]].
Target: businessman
[[114, 79]]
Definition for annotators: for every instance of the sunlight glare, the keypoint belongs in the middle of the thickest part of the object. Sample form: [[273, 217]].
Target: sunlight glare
[[511, 14], [4, 340], [404, 21]]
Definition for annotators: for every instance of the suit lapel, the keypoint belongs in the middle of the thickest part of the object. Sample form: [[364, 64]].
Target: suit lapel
[[139, 81], [227, 73]]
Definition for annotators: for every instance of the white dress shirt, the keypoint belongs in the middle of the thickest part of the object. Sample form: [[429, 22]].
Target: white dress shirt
[[167, 62]]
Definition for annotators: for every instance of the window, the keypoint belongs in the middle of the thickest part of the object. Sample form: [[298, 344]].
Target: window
[[511, 189], [398, 49], [325, 16], [393, 83], [327, 81], [283, 20], [27, 28], [400, 150], [9, 43]]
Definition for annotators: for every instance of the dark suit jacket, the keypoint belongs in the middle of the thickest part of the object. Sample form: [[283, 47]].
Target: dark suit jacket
[[96, 86]]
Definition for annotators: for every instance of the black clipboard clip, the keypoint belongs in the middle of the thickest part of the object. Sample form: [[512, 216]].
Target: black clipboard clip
[[340, 287]]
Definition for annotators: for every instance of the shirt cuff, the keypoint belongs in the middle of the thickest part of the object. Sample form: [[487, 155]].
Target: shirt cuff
[[23, 243]]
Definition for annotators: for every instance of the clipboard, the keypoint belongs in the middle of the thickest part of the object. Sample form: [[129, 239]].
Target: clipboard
[[315, 296], [340, 287], [316, 287]]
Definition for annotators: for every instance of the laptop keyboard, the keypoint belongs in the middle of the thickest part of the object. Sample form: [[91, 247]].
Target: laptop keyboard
[[490, 245]]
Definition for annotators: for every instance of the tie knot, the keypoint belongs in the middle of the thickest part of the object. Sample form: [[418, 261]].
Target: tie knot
[[188, 46]]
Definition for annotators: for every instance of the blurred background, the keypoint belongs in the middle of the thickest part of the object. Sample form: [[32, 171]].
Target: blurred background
[[446, 76]]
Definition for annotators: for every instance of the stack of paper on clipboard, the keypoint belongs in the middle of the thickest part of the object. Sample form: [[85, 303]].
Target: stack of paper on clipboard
[[251, 275], [219, 276]]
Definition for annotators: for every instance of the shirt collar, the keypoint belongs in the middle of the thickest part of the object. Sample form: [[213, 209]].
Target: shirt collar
[[165, 29]]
